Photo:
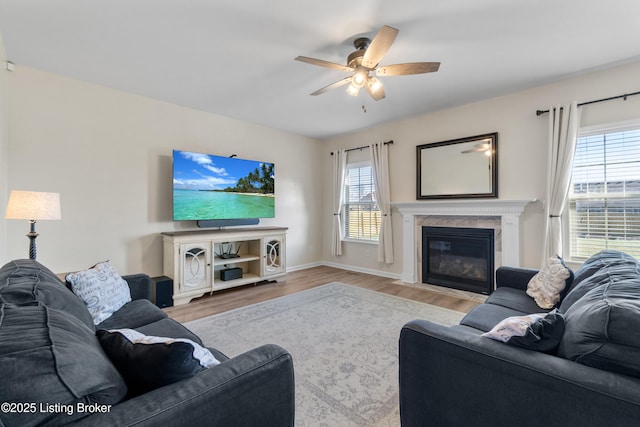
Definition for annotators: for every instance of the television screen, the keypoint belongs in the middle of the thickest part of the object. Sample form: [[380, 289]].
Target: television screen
[[208, 187]]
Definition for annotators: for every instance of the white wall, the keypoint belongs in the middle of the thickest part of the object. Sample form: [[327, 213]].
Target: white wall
[[4, 143], [521, 151], [108, 153]]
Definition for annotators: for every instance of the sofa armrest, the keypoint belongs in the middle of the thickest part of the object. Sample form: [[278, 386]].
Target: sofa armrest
[[255, 388], [453, 377], [139, 285], [514, 277]]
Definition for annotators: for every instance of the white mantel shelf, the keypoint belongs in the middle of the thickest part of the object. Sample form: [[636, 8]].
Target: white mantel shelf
[[509, 212]]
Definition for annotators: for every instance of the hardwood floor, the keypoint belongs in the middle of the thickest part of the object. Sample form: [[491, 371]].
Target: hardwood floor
[[297, 281]]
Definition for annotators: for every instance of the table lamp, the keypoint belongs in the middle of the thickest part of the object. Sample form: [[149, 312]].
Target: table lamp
[[33, 206]]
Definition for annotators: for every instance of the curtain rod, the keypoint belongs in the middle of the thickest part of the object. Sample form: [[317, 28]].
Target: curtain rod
[[625, 96], [364, 146]]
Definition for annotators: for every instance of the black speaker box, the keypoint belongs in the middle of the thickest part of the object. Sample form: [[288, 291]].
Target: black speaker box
[[231, 273], [162, 291]]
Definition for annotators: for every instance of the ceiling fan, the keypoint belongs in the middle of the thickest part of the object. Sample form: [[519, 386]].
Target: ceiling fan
[[365, 60]]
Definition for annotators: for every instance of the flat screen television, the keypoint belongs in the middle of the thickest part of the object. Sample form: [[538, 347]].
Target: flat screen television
[[208, 187]]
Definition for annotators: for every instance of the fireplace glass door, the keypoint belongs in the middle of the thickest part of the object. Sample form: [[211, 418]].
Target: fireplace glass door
[[460, 258]]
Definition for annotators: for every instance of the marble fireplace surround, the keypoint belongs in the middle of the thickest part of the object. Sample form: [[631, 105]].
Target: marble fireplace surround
[[501, 215]]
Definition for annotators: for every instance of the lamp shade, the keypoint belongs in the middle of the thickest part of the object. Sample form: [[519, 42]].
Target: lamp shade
[[33, 205]]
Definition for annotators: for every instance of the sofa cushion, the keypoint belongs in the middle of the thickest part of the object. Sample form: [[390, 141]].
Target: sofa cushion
[[61, 357], [603, 326], [515, 299], [595, 272], [148, 362], [133, 315], [485, 316], [25, 281], [538, 331], [102, 289], [548, 284]]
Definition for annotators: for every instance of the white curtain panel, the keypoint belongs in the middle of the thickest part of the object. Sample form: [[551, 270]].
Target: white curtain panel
[[339, 169], [380, 163], [564, 123]]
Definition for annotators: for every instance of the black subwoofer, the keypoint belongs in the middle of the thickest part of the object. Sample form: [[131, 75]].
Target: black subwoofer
[[162, 291]]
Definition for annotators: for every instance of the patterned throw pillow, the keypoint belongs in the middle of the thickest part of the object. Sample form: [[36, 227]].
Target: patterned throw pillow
[[547, 285], [102, 289]]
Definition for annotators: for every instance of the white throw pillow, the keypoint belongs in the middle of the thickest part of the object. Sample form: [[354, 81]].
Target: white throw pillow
[[102, 289], [545, 287]]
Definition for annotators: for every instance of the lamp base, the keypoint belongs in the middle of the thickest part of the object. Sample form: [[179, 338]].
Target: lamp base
[[32, 240]]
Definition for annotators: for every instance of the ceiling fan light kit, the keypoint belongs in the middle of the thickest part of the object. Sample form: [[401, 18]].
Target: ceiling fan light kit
[[374, 84], [364, 60], [353, 90]]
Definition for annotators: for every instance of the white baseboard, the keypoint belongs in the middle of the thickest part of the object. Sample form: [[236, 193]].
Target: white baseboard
[[304, 266], [386, 274]]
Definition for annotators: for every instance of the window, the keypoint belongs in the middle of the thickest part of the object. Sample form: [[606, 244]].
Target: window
[[604, 196], [360, 209]]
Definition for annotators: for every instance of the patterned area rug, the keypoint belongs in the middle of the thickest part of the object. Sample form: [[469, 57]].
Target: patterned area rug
[[344, 343]]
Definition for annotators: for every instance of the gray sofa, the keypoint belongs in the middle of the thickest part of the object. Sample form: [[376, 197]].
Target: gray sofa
[[453, 376], [54, 371]]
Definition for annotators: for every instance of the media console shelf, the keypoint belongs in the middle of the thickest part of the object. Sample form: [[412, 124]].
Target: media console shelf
[[194, 259]]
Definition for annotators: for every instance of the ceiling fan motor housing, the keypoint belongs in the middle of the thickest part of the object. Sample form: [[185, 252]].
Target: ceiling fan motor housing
[[355, 58]]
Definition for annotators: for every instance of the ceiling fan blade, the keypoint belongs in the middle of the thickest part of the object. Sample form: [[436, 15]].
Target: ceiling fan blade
[[378, 94], [379, 46], [408, 69], [322, 63], [332, 86]]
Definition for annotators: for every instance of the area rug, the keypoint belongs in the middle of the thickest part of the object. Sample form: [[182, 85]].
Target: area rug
[[344, 343]]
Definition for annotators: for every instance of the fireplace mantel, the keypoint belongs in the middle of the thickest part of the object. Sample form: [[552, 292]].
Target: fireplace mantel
[[509, 212]]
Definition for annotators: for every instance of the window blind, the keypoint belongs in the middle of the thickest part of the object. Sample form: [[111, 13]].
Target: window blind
[[361, 212], [604, 196]]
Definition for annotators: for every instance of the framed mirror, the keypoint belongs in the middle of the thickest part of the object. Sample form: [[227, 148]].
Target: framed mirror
[[458, 169]]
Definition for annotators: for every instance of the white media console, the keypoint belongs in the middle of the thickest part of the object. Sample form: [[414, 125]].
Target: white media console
[[201, 261]]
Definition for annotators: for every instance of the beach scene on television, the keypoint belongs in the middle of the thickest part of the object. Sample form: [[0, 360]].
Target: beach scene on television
[[214, 187]]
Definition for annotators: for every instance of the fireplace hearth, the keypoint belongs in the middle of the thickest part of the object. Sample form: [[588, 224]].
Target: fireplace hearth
[[459, 258]]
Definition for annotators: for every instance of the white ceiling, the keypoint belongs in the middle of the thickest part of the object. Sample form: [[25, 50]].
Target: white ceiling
[[236, 57]]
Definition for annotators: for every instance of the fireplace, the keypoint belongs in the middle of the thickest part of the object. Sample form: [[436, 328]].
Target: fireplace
[[460, 258]]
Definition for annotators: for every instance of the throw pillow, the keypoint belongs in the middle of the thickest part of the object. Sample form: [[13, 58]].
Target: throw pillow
[[540, 332], [101, 288], [148, 362], [547, 285]]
